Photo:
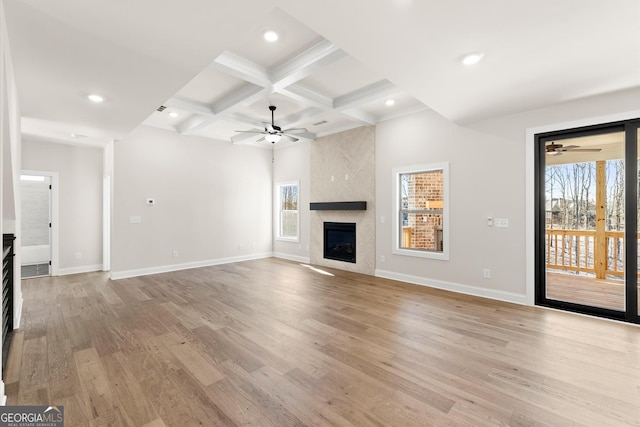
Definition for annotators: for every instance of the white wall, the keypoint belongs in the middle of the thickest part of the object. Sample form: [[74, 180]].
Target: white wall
[[292, 163], [80, 204], [9, 166], [487, 178], [213, 202], [520, 128]]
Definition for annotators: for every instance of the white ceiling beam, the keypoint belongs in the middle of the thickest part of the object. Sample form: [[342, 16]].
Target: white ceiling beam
[[303, 65], [369, 93], [242, 68], [307, 96], [245, 96], [294, 120], [247, 120]]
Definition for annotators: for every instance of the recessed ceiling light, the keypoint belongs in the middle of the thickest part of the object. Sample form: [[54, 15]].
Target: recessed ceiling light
[[95, 98], [173, 114], [389, 102], [73, 135], [271, 36], [472, 58]]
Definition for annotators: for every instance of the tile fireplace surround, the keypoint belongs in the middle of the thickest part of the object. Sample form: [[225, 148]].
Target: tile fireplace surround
[[343, 169]]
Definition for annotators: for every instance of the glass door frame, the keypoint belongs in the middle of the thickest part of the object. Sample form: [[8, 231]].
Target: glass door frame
[[630, 128]]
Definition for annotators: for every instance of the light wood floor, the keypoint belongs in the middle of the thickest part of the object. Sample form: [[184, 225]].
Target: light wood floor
[[273, 343]]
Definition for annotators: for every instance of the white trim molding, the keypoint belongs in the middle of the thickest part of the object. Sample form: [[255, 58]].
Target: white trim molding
[[78, 270], [454, 287], [290, 257], [116, 275]]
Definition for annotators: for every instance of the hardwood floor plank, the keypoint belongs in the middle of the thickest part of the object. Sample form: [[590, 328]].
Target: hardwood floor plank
[[272, 343], [200, 366], [63, 377], [14, 358], [35, 367], [103, 405], [135, 407], [246, 385]]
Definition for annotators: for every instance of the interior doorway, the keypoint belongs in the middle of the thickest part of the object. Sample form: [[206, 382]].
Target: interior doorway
[[587, 220], [38, 223]]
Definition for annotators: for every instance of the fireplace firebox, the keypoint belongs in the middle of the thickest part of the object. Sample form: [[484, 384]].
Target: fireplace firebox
[[340, 241]]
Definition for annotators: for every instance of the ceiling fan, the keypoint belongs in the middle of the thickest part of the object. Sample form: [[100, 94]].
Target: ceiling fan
[[554, 149], [273, 133]]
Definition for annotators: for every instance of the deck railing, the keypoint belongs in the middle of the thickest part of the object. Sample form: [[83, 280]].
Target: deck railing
[[578, 250]]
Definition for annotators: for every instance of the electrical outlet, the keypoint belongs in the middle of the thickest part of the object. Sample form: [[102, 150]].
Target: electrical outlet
[[78, 255], [175, 254], [383, 259], [486, 273]]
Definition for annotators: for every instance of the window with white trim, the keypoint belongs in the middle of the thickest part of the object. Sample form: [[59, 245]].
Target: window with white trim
[[421, 220], [288, 216]]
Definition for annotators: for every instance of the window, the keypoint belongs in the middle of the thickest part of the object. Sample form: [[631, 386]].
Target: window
[[421, 224], [287, 211]]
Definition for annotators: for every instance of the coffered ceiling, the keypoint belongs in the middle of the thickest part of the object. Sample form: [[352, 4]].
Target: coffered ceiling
[[315, 86], [333, 67]]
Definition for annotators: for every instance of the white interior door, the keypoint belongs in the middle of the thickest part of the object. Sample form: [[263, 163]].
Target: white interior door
[[36, 208]]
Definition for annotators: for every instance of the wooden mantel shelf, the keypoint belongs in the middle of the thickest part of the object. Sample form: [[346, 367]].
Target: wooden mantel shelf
[[338, 206]]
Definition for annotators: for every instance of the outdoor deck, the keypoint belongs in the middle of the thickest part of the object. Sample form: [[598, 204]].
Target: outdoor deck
[[605, 293]]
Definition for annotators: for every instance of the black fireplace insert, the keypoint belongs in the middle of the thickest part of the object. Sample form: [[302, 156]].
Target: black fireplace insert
[[340, 241]]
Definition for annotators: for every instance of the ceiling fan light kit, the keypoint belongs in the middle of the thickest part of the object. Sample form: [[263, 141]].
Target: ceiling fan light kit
[[272, 137]]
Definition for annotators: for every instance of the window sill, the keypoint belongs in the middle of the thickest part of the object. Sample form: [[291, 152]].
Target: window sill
[[441, 256]]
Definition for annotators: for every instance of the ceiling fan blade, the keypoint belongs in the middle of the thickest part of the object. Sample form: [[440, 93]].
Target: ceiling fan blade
[[568, 147], [290, 138], [250, 131], [586, 150], [261, 139]]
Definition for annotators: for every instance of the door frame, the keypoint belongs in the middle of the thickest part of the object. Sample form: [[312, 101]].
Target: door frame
[[630, 127], [55, 214]]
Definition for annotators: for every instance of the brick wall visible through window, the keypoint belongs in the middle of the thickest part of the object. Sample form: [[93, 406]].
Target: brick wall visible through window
[[421, 210]]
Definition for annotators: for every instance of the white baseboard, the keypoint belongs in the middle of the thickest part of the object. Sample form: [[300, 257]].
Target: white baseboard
[[17, 314], [78, 270], [290, 257], [115, 275], [455, 287]]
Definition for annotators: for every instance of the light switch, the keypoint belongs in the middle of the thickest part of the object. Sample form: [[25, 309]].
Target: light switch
[[382, 219], [502, 222], [135, 219]]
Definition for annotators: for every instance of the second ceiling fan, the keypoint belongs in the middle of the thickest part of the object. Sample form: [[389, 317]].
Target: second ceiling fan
[[554, 149]]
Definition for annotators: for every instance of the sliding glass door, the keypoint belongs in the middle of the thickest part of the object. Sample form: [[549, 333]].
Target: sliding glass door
[[587, 220]]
